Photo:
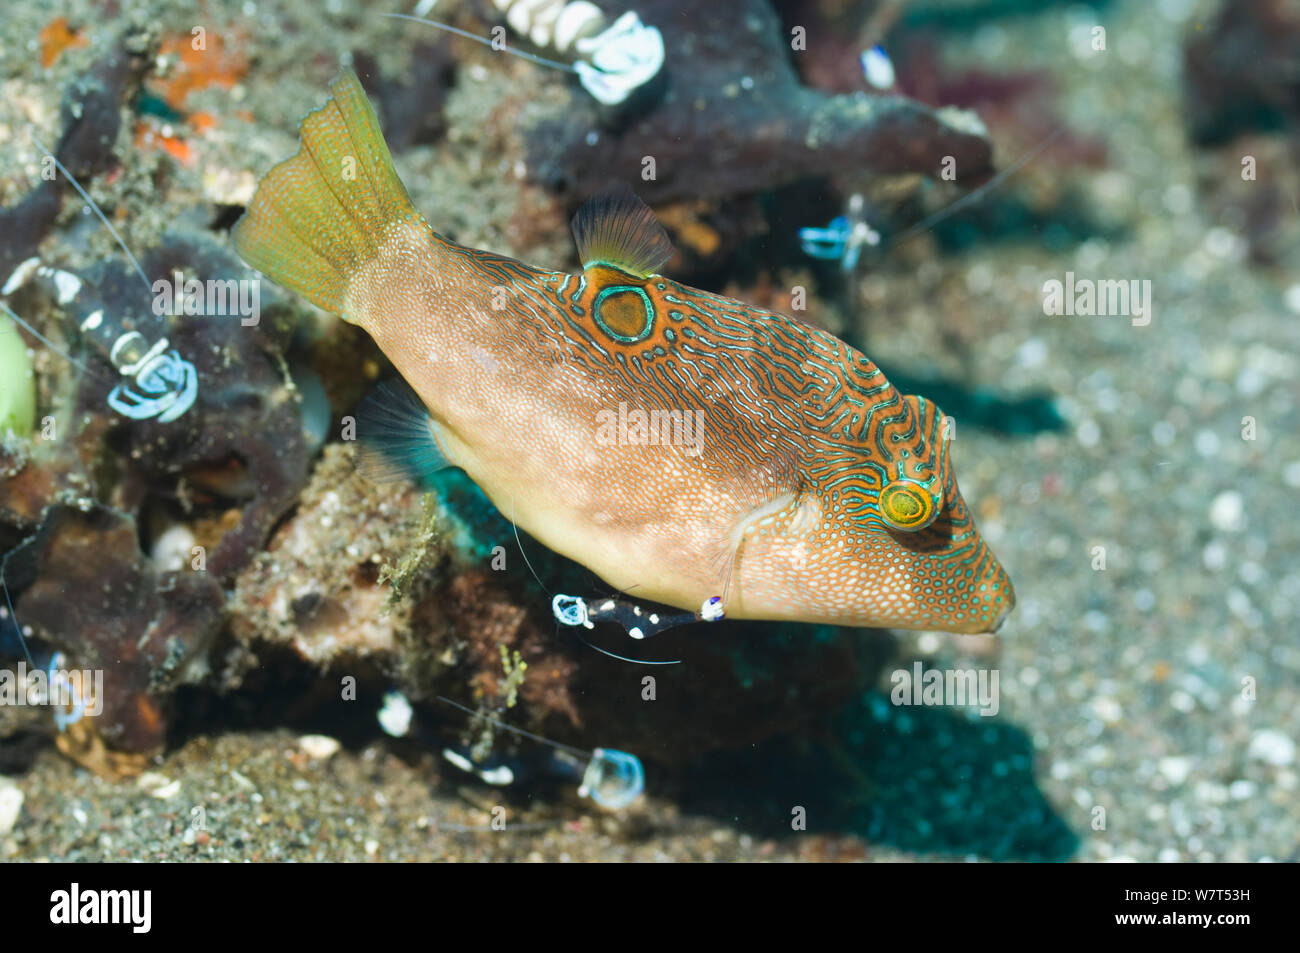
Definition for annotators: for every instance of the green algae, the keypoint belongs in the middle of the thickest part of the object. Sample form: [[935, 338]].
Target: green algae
[[422, 556], [17, 383]]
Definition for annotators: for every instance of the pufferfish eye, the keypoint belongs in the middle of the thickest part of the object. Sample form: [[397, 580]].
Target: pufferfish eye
[[907, 505]]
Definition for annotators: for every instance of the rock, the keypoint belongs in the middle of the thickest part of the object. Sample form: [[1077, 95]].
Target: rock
[[96, 597], [732, 94], [11, 805]]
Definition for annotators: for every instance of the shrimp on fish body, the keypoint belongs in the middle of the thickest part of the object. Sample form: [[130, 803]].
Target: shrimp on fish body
[[805, 488]]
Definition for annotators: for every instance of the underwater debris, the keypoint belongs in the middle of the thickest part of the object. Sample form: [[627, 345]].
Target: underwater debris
[[90, 118], [31, 478], [412, 104], [733, 94], [1018, 106], [316, 587], [188, 64], [1241, 72], [515, 669], [1242, 98], [58, 35], [1251, 186], [418, 557], [85, 588], [395, 714]]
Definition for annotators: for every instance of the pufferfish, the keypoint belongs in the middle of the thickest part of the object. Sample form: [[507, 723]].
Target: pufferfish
[[679, 444]]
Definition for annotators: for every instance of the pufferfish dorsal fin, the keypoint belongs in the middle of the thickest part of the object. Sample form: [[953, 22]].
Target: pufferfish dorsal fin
[[617, 229]]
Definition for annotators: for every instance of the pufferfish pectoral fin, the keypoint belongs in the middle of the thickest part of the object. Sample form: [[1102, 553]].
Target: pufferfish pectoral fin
[[758, 494], [396, 436], [617, 229]]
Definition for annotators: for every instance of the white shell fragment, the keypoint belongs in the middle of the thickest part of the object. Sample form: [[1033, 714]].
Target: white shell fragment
[[395, 715], [11, 805], [318, 747]]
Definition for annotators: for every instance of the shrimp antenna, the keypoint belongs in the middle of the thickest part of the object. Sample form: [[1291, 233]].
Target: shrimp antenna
[[13, 616], [624, 658], [580, 752], [514, 526], [970, 198], [94, 208], [48, 343], [539, 60]]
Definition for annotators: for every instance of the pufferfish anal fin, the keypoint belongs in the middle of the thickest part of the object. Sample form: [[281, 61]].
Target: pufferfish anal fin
[[619, 230], [395, 437]]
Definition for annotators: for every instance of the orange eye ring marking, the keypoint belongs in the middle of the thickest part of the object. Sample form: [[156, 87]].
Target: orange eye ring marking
[[907, 505]]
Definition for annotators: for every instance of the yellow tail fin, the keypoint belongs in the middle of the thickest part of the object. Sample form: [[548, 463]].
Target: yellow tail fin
[[320, 215]]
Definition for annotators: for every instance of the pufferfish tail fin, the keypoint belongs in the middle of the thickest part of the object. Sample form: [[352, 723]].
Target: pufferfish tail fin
[[321, 215]]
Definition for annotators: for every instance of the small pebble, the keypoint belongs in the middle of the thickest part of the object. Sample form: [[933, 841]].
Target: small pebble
[[395, 715], [1272, 747], [1241, 790], [1107, 709], [318, 747], [1175, 770], [167, 791], [11, 804], [1226, 511], [158, 785]]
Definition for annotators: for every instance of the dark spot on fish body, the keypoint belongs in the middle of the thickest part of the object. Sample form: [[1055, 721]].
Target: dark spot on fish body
[[625, 313]]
